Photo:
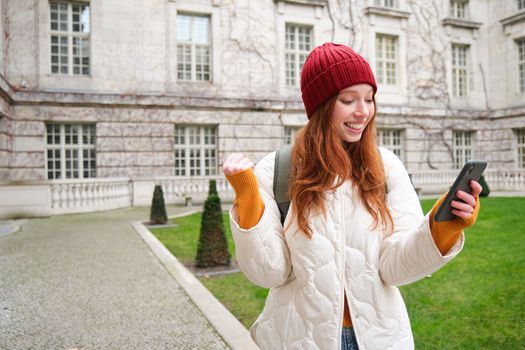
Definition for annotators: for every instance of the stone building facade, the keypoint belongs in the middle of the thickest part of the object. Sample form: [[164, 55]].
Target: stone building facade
[[105, 89]]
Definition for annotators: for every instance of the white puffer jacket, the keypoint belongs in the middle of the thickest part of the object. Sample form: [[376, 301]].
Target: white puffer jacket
[[308, 277]]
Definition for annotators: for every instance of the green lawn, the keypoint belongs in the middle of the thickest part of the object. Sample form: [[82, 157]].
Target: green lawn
[[475, 302]]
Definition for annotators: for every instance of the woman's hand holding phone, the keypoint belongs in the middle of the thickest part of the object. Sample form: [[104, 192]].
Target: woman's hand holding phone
[[465, 209], [460, 201]]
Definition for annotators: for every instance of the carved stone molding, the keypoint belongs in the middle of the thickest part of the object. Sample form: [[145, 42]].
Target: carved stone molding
[[304, 2], [461, 23], [387, 12], [512, 20]]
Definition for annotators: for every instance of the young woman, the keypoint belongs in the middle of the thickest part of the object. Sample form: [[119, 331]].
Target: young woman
[[355, 229]]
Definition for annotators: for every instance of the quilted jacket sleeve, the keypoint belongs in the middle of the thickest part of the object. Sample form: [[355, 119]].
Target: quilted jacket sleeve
[[409, 253], [262, 252]]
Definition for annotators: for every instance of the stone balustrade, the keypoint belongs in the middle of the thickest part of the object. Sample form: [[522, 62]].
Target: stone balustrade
[[190, 190], [437, 181], [53, 197], [505, 180], [85, 195]]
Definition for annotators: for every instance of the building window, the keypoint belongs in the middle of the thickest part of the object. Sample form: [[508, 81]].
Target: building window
[[520, 143], [521, 65], [298, 44], [463, 147], [69, 38], [71, 152], [521, 5], [391, 139], [195, 150], [458, 8], [460, 54], [193, 48], [386, 59], [386, 3], [290, 132]]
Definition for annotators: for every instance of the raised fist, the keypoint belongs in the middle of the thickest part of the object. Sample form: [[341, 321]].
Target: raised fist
[[235, 163]]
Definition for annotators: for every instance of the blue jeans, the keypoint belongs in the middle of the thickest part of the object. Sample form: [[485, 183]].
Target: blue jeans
[[348, 341]]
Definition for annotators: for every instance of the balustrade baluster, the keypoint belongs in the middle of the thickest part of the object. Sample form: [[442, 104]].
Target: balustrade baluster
[[61, 196], [55, 196], [106, 193], [103, 192], [117, 195], [82, 193], [90, 194], [69, 196], [96, 194], [76, 195], [125, 192]]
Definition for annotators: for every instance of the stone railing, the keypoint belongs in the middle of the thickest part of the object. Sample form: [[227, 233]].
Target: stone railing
[[437, 181], [43, 198], [75, 196], [506, 180], [191, 190]]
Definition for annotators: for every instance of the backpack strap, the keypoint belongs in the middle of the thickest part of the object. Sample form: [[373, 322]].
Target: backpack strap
[[281, 178]]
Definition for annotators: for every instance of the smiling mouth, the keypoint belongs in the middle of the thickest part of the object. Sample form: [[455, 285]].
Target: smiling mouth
[[355, 126]]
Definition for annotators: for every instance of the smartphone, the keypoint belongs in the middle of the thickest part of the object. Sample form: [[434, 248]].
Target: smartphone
[[472, 170]]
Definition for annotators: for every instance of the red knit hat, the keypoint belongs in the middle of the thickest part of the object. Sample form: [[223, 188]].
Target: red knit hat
[[329, 69]]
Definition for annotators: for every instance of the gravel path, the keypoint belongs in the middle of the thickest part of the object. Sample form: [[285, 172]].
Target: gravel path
[[88, 281]]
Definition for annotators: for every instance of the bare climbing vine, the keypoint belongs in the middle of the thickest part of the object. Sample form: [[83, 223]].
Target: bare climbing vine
[[429, 67]]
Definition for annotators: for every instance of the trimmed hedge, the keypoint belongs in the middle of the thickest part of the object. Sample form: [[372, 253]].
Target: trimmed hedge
[[485, 190], [213, 246], [158, 214]]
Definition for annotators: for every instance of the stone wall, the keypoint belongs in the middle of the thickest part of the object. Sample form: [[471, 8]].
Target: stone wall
[[134, 98], [503, 29], [5, 139], [138, 140], [6, 129], [133, 48]]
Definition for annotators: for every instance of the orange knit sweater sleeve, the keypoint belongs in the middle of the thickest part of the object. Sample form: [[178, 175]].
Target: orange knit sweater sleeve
[[250, 206], [446, 233]]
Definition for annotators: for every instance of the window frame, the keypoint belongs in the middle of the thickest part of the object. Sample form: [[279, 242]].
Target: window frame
[[382, 61], [520, 5], [462, 150], [398, 150], [70, 36], [392, 4], [521, 64], [520, 147], [192, 45], [459, 9], [187, 147], [459, 90], [299, 56], [83, 130]]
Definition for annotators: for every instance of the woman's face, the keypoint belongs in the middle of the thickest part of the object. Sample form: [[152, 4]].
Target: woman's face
[[353, 110]]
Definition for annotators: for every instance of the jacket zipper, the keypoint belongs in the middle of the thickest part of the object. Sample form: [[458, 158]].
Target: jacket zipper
[[343, 279], [345, 295]]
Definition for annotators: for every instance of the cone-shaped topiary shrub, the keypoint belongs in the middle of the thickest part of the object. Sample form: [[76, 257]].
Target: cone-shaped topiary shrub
[[158, 214], [213, 246], [485, 190], [212, 189]]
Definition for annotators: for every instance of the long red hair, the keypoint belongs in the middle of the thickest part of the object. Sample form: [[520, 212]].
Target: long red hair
[[322, 162]]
